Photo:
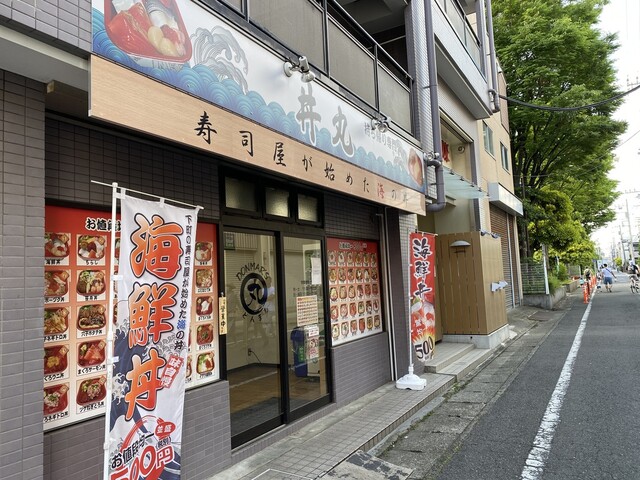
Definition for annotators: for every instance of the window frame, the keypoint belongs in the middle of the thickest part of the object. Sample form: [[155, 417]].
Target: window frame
[[504, 156], [487, 139]]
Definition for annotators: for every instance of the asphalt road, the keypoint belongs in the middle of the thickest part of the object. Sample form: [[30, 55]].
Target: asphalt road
[[591, 430]]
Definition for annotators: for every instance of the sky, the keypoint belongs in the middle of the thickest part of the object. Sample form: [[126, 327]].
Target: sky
[[623, 17]]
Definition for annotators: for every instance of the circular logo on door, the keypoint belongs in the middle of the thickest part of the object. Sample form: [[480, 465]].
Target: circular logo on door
[[253, 293]]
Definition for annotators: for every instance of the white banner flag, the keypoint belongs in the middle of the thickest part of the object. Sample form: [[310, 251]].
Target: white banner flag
[[151, 340]]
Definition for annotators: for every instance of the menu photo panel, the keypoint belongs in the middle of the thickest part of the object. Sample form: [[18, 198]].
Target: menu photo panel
[[355, 307], [77, 253], [77, 249], [203, 360]]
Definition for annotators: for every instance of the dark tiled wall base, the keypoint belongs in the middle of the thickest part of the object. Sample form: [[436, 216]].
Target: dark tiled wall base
[[360, 367], [21, 276]]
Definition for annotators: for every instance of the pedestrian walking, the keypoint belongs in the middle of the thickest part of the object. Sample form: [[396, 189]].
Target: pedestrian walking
[[608, 277]]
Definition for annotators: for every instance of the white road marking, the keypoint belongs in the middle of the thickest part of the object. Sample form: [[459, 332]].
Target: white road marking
[[539, 453]]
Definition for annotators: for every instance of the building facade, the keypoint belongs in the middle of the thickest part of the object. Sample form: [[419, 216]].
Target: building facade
[[312, 134]]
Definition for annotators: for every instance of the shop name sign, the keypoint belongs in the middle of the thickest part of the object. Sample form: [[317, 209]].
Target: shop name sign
[[122, 97]]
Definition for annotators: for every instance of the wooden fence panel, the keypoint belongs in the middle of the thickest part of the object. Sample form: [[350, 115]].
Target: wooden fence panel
[[465, 304]]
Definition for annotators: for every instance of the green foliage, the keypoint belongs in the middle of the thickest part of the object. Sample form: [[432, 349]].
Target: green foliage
[[554, 283], [581, 252], [562, 274], [618, 262], [553, 54], [550, 220]]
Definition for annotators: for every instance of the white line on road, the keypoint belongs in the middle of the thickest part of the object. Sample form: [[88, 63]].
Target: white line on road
[[542, 443]]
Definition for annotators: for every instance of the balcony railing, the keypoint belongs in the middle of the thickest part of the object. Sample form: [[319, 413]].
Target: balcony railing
[[336, 45], [463, 29]]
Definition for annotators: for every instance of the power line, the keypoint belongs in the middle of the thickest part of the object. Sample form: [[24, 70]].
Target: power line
[[569, 109]]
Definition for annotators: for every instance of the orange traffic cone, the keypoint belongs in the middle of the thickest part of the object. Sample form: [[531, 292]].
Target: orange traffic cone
[[585, 293]]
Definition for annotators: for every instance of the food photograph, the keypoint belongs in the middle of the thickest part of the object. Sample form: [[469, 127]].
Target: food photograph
[[55, 399], [92, 317], [56, 283], [91, 391], [55, 359], [91, 353], [91, 282], [56, 320], [56, 245], [92, 247], [205, 363]]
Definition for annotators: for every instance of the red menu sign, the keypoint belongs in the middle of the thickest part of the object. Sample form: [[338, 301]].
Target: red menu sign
[[76, 291]]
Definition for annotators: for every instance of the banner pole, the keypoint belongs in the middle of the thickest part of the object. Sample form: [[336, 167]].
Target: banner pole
[[110, 359], [410, 381]]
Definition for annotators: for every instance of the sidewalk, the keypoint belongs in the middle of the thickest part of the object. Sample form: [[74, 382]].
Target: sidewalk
[[373, 423]]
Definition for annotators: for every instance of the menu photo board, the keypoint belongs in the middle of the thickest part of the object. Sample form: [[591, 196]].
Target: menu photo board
[[77, 250], [76, 291], [203, 363], [354, 289]]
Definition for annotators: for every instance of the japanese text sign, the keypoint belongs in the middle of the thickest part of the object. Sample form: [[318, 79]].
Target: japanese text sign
[[422, 293], [151, 340]]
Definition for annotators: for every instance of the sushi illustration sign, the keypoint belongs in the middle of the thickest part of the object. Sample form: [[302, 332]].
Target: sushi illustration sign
[[422, 293], [151, 340], [182, 46]]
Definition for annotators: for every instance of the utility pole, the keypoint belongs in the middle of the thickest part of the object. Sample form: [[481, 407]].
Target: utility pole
[[631, 253], [624, 256], [632, 256]]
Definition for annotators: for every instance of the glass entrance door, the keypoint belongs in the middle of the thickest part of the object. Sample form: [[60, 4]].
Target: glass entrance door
[[307, 378], [275, 342], [252, 341]]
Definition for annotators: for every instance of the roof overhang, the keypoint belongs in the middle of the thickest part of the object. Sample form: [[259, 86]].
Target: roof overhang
[[457, 187], [503, 198]]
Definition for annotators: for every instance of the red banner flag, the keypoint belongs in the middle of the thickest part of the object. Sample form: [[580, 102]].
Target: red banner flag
[[422, 286]]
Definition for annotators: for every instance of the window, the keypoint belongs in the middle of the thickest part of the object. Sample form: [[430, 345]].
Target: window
[[504, 155], [240, 195], [274, 201], [487, 134], [277, 202], [308, 210]]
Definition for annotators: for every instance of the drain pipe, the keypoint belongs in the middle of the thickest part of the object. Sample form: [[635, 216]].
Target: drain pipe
[[494, 64], [434, 159]]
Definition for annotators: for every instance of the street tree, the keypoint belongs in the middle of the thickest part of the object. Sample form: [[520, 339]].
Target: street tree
[[554, 57]]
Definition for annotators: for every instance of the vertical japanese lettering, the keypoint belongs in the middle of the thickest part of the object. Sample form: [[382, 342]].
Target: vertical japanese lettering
[[329, 171], [340, 123], [204, 128], [157, 247], [278, 154], [306, 116], [247, 141]]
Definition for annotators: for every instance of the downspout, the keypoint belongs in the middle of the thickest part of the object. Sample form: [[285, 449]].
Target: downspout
[[494, 64], [435, 159]]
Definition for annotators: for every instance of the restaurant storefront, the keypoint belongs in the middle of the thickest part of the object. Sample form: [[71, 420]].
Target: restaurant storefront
[[305, 209], [302, 269]]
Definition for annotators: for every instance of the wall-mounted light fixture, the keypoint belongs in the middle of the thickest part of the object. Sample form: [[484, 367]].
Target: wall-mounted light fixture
[[493, 234], [302, 66], [459, 246], [380, 123]]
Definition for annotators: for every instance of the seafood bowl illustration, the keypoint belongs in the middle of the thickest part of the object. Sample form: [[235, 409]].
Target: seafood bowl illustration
[[152, 32]]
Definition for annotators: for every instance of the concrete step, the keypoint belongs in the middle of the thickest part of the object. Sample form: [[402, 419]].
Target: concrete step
[[446, 353], [467, 362]]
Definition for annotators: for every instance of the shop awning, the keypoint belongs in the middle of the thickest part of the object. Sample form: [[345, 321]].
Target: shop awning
[[456, 186]]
